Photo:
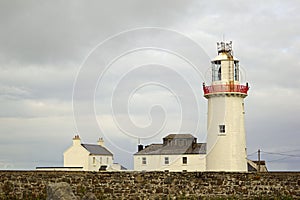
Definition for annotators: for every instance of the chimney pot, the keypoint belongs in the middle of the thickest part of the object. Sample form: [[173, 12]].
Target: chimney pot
[[101, 142], [140, 147], [76, 140]]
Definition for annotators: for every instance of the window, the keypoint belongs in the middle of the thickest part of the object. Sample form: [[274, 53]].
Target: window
[[216, 70], [107, 160], [222, 128], [100, 160], [94, 160], [167, 160], [219, 74], [243, 107], [144, 161], [184, 160], [236, 70]]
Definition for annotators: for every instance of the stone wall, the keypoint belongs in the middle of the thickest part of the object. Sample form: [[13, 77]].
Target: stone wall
[[153, 185]]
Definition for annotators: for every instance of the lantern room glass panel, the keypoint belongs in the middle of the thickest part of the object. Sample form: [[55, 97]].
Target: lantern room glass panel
[[236, 71], [216, 70]]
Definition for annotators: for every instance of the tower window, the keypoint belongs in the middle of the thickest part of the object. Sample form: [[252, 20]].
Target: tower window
[[184, 160], [167, 160], [222, 128], [144, 161]]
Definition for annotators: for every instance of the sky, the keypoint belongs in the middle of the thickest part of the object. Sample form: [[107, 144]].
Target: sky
[[133, 70]]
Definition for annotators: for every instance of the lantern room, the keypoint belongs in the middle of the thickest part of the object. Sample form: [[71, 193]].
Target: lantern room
[[225, 67], [225, 72]]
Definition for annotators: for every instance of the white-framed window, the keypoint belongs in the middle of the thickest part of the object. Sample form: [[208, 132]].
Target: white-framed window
[[167, 161], [222, 129], [94, 160], [184, 160], [100, 160], [144, 161], [107, 160]]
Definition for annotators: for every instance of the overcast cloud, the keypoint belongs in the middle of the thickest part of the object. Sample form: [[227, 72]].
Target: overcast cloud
[[44, 43]]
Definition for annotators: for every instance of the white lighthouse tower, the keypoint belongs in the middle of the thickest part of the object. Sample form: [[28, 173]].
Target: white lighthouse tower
[[226, 139]]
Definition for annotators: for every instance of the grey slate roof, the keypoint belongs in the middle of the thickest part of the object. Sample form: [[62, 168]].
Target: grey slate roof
[[160, 149], [178, 136], [95, 149]]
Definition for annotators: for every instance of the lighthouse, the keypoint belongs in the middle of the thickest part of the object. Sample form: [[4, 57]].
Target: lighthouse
[[226, 138]]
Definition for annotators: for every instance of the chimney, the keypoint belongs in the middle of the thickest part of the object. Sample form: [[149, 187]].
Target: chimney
[[101, 142], [140, 147], [76, 140]]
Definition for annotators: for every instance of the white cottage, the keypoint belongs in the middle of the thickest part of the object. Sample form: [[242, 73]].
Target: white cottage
[[178, 152], [89, 157]]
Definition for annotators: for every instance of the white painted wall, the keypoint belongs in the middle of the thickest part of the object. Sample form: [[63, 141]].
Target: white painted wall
[[195, 162], [226, 151], [95, 161], [76, 156]]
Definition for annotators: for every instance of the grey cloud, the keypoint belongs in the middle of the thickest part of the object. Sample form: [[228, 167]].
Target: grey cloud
[[58, 32]]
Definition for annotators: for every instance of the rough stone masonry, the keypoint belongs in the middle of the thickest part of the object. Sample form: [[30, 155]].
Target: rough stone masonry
[[152, 185]]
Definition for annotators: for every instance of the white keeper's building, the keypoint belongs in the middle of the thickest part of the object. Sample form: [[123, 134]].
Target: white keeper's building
[[178, 152]]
